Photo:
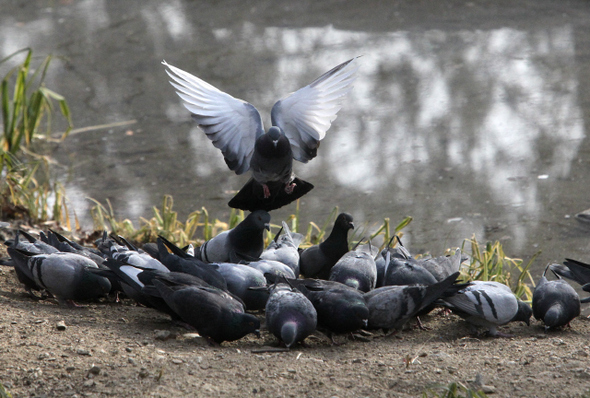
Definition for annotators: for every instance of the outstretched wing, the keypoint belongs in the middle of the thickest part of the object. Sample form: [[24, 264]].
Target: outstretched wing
[[232, 124], [306, 115]]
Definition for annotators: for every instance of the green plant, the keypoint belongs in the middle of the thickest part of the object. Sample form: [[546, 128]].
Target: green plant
[[492, 264], [452, 390], [27, 108]]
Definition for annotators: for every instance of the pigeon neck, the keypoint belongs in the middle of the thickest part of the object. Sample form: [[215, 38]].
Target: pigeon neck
[[336, 243]]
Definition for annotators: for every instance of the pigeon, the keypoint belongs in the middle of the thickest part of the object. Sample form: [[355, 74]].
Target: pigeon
[[443, 266], [407, 271], [128, 254], [273, 267], [555, 303], [391, 307], [381, 263], [64, 275], [189, 265], [317, 261], [340, 308], [215, 314], [356, 269], [576, 271], [244, 242], [240, 279], [284, 249], [30, 244], [299, 122], [290, 316], [488, 304]]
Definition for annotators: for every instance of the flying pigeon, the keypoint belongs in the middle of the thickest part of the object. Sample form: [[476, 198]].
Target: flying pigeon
[[488, 304], [299, 122], [317, 261], [244, 242], [555, 303], [290, 316]]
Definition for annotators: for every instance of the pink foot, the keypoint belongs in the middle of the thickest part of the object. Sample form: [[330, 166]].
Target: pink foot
[[290, 187], [266, 191]]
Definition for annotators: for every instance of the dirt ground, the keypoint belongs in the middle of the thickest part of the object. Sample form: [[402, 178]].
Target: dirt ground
[[123, 350]]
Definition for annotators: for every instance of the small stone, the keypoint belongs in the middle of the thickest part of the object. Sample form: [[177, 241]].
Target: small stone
[[132, 361], [43, 356], [357, 360], [61, 325], [81, 351], [128, 349], [177, 361], [143, 373], [95, 370], [162, 334], [70, 369], [451, 370], [89, 383], [291, 371]]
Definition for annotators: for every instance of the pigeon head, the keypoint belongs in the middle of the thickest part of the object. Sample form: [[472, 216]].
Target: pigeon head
[[246, 324], [554, 317], [344, 221], [274, 144], [290, 333], [524, 313], [274, 133], [260, 219]]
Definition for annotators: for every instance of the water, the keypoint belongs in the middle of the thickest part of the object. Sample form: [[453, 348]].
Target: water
[[470, 117]]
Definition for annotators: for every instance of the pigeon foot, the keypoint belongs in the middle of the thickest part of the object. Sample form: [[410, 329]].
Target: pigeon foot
[[290, 187], [266, 191]]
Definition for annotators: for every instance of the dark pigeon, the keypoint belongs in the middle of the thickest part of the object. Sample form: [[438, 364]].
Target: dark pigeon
[[245, 242], [284, 248], [555, 302], [356, 269], [488, 304], [240, 279], [317, 261], [576, 271], [215, 314], [299, 123], [64, 275], [340, 308], [189, 265], [290, 316], [407, 271], [391, 307]]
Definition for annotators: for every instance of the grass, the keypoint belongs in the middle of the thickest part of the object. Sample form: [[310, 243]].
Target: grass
[[452, 390], [28, 108], [490, 263]]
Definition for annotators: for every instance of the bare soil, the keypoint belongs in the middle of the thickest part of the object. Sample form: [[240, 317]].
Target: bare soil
[[122, 350]]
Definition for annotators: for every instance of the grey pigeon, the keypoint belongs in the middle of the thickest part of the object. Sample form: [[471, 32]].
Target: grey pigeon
[[443, 266], [317, 261], [240, 279], [64, 275], [356, 269], [576, 271], [290, 316], [276, 268], [381, 263], [30, 244], [391, 307], [340, 308], [555, 302], [299, 122], [407, 271], [284, 248], [213, 313], [244, 242], [489, 304]]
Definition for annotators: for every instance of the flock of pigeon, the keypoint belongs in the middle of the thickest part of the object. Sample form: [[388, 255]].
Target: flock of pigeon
[[216, 287]]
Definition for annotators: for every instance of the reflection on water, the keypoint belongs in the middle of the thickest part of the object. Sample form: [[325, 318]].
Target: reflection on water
[[466, 129]]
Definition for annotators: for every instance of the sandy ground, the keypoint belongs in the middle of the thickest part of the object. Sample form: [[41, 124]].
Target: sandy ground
[[121, 349]]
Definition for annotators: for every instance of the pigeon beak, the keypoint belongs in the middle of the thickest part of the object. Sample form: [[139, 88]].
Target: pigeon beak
[[528, 322], [257, 333], [365, 323], [267, 226]]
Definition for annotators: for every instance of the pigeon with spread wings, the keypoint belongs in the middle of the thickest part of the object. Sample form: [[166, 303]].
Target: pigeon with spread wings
[[299, 123]]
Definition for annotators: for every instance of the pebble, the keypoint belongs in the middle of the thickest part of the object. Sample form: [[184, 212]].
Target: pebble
[[177, 361], [95, 370], [162, 334], [143, 373], [61, 325], [81, 351], [89, 383]]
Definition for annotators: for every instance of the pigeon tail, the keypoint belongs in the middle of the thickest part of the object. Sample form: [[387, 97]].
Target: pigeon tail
[[252, 195]]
